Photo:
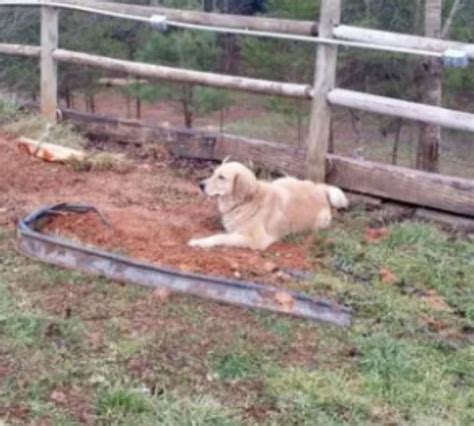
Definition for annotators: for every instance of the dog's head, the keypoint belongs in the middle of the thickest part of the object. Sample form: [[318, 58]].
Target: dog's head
[[230, 179]]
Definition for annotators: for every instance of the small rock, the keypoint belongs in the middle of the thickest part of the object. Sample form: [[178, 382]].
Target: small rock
[[234, 265], [270, 267], [162, 294], [237, 275], [283, 276]]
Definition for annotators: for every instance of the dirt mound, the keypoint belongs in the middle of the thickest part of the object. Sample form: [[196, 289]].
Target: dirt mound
[[162, 240], [154, 210]]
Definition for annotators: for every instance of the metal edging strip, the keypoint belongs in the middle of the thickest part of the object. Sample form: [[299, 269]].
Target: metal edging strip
[[64, 253]]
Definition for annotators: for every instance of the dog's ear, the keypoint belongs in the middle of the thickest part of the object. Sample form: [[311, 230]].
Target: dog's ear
[[245, 186], [226, 159]]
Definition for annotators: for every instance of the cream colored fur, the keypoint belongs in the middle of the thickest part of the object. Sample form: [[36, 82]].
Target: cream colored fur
[[256, 213]]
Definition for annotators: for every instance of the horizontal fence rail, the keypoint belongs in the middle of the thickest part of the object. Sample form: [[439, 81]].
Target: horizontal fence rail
[[403, 109], [185, 76], [387, 38], [286, 26], [20, 50]]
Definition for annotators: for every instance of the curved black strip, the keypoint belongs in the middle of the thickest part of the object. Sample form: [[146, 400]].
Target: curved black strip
[[65, 253]]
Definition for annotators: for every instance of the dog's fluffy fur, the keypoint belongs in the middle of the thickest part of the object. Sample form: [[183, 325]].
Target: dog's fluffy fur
[[256, 213]]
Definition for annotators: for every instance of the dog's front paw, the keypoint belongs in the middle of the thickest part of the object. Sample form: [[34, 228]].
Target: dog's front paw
[[198, 242]]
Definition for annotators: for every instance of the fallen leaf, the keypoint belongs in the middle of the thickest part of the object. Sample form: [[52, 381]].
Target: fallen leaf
[[433, 323], [162, 294], [387, 276], [373, 235], [435, 301], [285, 300], [58, 397], [95, 340], [185, 267]]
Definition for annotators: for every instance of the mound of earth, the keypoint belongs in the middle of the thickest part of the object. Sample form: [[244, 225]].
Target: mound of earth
[[153, 209]]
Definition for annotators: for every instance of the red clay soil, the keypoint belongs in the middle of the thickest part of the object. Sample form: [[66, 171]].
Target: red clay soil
[[153, 211], [162, 240]]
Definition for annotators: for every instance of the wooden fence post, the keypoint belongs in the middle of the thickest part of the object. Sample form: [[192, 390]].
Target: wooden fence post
[[324, 82], [49, 80]]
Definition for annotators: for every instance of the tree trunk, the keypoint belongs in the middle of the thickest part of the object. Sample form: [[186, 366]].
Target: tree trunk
[[429, 139]]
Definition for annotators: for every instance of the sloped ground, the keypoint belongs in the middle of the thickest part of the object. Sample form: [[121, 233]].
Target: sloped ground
[[76, 349]]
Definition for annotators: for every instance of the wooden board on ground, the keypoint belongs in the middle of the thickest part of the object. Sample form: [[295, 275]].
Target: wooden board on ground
[[450, 194], [48, 151]]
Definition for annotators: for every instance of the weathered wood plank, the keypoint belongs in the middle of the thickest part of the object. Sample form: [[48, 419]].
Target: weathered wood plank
[[211, 19], [185, 76], [457, 223], [20, 50], [49, 76], [404, 109], [402, 184], [257, 23], [133, 131], [324, 81], [367, 35]]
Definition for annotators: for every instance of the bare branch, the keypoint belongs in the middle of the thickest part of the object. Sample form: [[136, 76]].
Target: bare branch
[[449, 22]]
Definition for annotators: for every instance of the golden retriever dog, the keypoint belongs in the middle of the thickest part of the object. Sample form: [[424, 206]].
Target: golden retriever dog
[[257, 213]]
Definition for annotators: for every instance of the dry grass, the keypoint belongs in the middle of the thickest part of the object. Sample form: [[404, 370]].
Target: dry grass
[[35, 127], [102, 161]]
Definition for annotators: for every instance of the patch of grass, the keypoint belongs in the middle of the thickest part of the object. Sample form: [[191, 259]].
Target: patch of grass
[[271, 126], [236, 366], [419, 255], [171, 410], [124, 406], [36, 127], [102, 162], [119, 402], [414, 378], [295, 238], [318, 397], [279, 326]]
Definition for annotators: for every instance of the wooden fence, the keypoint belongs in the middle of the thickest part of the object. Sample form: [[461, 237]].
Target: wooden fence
[[397, 183]]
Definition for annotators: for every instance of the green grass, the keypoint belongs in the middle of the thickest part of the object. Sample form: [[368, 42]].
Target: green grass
[[419, 255], [236, 366], [128, 360], [126, 406]]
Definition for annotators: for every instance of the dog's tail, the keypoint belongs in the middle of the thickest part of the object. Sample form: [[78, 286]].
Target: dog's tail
[[336, 197]]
